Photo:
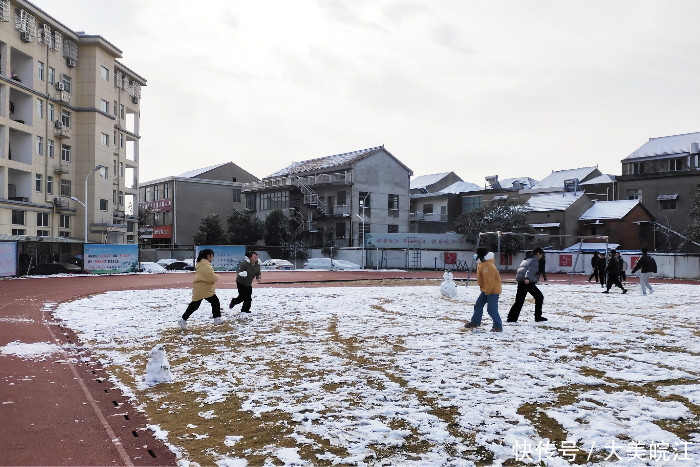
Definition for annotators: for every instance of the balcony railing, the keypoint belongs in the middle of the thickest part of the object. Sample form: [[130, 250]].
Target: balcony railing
[[428, 217], [344, 178]]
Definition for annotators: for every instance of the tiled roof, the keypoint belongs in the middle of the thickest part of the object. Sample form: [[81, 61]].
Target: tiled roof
[[605, 178], [426, 180], [327, 162], [609, 210], [461, 187], [665, 146], [552, 201], [196, 172]]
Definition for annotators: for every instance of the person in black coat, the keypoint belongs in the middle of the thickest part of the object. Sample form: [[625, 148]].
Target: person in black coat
[[598, 264], [613, 271], [648, 266]]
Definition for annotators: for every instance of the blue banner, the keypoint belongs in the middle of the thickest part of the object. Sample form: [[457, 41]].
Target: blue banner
[[226, 257], [8, 258], [110, 259]]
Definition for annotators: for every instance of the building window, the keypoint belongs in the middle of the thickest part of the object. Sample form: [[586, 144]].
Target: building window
[[17, 217], [166, 190], [121, 198], [427, 209], [121, 140], [40, 71], [52, 75], [340, 229], [156, 190], [115, 108], [104, 73], [64, 221], [114, 196], [114, 167], [342, 198], [65, 188], [37, 183], [65, 118], [121, 111], [39, 145], [104, 204], [393, 228], [236, 195], [470, 203], [19, 232], [49, 184], [635, 193], [104, 106], [104, 139], [40, 108], [637, 168], [51, 113], [393, 203], [121, 169], [67, 82], [250, 202], [668, 204], [65, 153], [49, 148], [42, 219], [364, 201], [42, 233], [675, 165]]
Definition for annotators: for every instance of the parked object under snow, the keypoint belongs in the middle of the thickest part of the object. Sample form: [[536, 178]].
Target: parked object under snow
[[158, 368], [448, 288]]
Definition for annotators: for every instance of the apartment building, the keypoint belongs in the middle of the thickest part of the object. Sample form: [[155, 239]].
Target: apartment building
[[664, 174], [69, 131], [350, 193]]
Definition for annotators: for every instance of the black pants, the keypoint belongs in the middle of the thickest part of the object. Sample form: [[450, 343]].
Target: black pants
[[245, 295], [599, 276], [614, 279], [193, 306], [520, 294]]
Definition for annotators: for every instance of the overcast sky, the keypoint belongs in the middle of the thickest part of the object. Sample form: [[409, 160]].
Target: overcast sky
[[507, 87]]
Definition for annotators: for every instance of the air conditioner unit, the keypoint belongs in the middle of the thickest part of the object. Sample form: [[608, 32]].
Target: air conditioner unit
[[70, 62], [135, 99], [58, 124], [60, 86], [24, 36], [60, 202], [65, 97]]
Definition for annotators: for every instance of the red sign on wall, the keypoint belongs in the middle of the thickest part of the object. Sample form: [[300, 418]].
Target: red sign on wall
[[633, 261], [506, 259], [450, 257], [163, 231], [566, 260]]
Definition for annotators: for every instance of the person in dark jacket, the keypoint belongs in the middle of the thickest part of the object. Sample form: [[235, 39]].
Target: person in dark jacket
[[540, 266], [648, 266], [248, 269], [613, 272], [527, 284], [598, 264]]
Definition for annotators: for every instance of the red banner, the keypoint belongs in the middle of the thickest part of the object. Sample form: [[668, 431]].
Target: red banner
[[450, 257], [566, 260]]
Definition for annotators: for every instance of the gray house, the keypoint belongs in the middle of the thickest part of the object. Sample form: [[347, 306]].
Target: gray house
[[172, 207], [343, 194]]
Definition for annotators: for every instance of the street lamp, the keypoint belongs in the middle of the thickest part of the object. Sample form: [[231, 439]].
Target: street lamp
[[98, 167], [363, 203]]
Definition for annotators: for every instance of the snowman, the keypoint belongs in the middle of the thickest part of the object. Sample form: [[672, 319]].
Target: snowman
[[448, 288], [158, 368]]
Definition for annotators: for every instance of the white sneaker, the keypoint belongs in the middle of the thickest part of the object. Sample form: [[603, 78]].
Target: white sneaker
[[183, 324], [651, 291], [218, 321]]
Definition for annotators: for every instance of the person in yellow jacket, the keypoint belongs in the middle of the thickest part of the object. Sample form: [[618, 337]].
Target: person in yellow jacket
[[203, 288], [490, 284]]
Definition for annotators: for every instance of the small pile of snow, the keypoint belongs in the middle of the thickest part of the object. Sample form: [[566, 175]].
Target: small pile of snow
[[29, 351]]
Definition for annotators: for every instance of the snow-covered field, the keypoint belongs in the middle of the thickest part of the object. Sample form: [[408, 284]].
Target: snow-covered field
[[389, 376]]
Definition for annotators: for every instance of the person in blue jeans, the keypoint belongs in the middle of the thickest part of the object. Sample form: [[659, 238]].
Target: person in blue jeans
[[490, 285]]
